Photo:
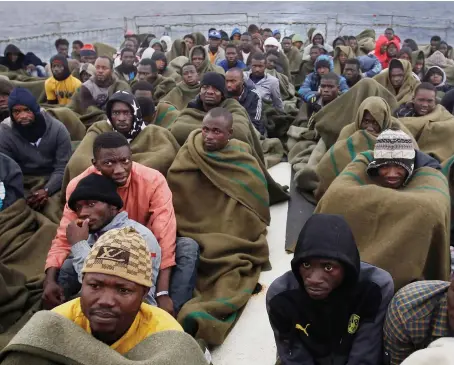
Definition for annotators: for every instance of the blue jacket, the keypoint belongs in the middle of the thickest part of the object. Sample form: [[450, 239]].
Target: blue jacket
[[370, 65], [312, 81], [239, 64]]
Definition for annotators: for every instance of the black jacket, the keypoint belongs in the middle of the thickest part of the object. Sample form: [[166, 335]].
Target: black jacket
[[346, 327], [251, 101]]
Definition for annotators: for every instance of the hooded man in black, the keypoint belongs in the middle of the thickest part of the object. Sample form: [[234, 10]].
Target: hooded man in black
[[124, 114], [13, 58], [330, 309]]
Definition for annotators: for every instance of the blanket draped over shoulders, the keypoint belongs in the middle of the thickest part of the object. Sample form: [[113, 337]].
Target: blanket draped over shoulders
[[434, 132], [181, 95], [50, 339], [221, 201], [154, 147], [25, 237], [403, 231]]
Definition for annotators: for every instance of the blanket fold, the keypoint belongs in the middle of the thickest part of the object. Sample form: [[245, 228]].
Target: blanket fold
[[181, 95], [230, 227]]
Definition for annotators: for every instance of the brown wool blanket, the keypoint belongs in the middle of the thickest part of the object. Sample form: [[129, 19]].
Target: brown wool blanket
[[50, 339], [229, 224], [181, 95], [433, 132], [404, 231], [154, 147], [70, 119]]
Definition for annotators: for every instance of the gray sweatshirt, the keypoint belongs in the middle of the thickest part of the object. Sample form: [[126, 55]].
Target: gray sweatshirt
[[268, 88], [49, 157]]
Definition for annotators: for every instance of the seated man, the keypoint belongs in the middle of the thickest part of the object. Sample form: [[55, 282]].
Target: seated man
[[198, 56], [271, 44], [61, 87], [5, 89], [126, 71], [293, 55], [247, 95], [309, 91], [11, 182], [398, 80], [97, 90], [163, 69], [431, 125], [352, 72], [370, 65], [186, 90], [341, 55], [214, 51], [163, 114], [307, 66], [88, 54], [437, 77], [329, 91], [118, 265], [148, 71], [231, 58], [86, 71], [419, 314], [234, 250], [41, 146], [385, 185], [331, 306], [148, 201], [97, 205], [266, 85]]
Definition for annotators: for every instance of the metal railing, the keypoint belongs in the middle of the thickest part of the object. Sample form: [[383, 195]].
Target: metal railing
[[40, 38]]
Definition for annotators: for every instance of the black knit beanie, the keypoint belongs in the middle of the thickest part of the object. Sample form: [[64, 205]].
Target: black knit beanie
[[216, 80], [95, 187]]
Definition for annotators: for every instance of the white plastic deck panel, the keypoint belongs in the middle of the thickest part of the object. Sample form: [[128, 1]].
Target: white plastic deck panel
[[251, 341]]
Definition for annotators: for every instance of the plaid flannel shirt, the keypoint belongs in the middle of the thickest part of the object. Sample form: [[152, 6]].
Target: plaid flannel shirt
[[417, 315]]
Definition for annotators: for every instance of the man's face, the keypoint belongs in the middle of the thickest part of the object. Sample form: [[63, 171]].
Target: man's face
[[451, 305], [189, 43], [190, 75], [3, 102], [76, 48], [277, 36], [22, 115], [405, 56], [396, 77], [321, 276], [164, 46], [315, 52], [160, 64], [271, 62], [392, 50], [392, 176], [318, 39], [443, 49], [322, 70], [57, 69], [84, 76], [351, 71], [214, 43], [103, 70], [266, 35], [128, 59], [424, 102], [246, 43], [369, 124], [130, 44], [434, 45], [110, 304], [418, 67], [389, 34], [271, 48], [88, 59], [342, 58], [231, 55], [157, 47], [224, 43], [329, 90], [99, 214], [121, 117], [353, 44], [63, 50], [298, 44], [339, 42], [258, 67], [114, 163], [13, 57], [286, 45], [234, 83], [210, 95], [144, 73], [197, 59], [436, 79], [215, 133], [236, 37]]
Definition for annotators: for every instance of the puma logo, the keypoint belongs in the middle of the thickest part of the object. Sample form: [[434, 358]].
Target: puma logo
[[304, 329]]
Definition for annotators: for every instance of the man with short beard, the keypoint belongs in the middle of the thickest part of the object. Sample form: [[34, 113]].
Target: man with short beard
[[246, 49], [126, 71], [247, 95], [5, 89], [61, 87]]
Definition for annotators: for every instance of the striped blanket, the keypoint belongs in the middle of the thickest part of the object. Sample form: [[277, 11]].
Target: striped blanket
[[221, 201]]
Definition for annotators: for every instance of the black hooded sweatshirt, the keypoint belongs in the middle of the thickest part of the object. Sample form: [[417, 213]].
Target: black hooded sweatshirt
[[347, 326], [5, 61]]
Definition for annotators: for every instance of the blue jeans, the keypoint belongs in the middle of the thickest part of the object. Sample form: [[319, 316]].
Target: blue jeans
[[184, 273], [182, 281]]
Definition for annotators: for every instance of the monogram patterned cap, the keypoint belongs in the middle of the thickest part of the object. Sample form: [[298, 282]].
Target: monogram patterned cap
[[121, 252]]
